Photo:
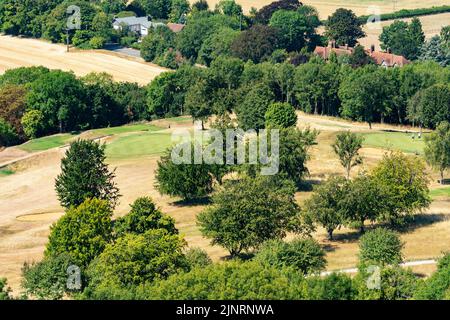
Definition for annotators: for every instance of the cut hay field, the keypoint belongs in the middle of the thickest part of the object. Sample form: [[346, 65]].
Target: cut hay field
[[29, 205], [431, 26], [19, 52], [327, 7]]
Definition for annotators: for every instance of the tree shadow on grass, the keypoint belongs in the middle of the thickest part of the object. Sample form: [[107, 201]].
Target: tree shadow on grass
[[193, 202], [308, 185], [423, 220]]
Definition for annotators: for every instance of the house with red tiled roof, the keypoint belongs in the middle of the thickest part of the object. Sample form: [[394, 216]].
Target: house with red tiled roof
[[175, 27], [385, 59]]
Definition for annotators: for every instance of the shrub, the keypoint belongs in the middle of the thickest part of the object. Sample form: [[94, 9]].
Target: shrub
[[303, 255], [142, 217], [83, 232], [198, 257], [135, 259], [280, 115], [32, 123], [228, 281], [47, 279], [381, 247], [4, 290]]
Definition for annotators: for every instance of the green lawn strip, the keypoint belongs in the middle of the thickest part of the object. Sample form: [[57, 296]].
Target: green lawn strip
[[181, 119], [395, 140], [126, 129], [138, 145], [45, 143], [441, 192]]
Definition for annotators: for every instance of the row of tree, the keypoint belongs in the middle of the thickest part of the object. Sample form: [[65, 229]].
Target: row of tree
[[36, 101]]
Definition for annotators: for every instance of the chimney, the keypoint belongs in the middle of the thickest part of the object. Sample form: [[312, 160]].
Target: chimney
[[346, 46], [372, 48], [389, 50]]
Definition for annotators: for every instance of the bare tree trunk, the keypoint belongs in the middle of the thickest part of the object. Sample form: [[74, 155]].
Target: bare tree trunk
[[330, 234]]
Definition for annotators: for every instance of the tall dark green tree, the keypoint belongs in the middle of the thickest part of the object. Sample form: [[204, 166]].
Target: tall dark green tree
[[344, 27], [84, 174]]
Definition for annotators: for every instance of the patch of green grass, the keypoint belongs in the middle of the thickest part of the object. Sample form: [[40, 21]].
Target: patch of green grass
[[138, 145], [441, 192], [45, 143], [126, 129], [395, 140], [6, 172]]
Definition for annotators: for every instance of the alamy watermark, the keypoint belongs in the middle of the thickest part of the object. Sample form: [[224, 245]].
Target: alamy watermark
[[229, 147]]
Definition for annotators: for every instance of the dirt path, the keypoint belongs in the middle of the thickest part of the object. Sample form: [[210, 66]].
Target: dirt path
[[19, 52]]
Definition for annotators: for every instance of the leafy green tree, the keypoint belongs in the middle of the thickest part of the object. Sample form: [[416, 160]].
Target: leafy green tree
[[437, 286], [361, 202], [256, 44], [157, 42], [434, 105], [32, 123], [359, 57], [227, 71], [4, 290], [346, 146], [309, 86], [229, 8], [251, 113], [178, 10], [396, 283], [280, 115], [293, 152], [404, 184], [303, 255], [437, 50], [380, 247], [200, 5], [47, 279], [8, 136], [324, 207], [22, 75], [336, 286], [157, 9], [247, 212], [217, 44], [136, 259], [403, 38], [366, 95], [186, 180], [142, 217], [344, 27], [229, 280], [198, 257], [200, 25], [295, 29], [264, 14], [82, 233], [437, 148], [60, 97], [84, 174]]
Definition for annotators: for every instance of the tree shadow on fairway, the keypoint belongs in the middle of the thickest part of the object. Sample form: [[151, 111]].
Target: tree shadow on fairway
[[192, 202], [423, 220]]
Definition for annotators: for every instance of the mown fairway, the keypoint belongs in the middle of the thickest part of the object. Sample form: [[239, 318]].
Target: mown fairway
[[406, 142]]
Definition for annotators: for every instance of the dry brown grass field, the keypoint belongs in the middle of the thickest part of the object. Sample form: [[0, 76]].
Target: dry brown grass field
[[327, 7], [19, 52], [431, 26], [29, 206]]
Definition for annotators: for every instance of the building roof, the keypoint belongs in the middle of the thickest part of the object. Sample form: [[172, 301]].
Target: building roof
[[131, 21], [381, 58], [175, 27]]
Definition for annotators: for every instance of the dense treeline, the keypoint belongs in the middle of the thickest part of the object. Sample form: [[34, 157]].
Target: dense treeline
[[37, 101]]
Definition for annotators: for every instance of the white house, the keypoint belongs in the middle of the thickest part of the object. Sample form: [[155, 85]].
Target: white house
[[140, 25]]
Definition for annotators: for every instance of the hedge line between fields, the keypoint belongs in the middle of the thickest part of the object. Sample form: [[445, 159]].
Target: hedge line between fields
[[409, 13], [406, 13]]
